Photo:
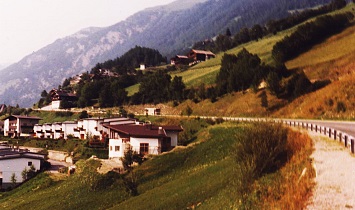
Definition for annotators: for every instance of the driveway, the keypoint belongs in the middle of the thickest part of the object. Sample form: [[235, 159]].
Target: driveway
[[56, 165]]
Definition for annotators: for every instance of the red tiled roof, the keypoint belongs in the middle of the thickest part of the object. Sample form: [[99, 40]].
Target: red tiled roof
[[143, 130]]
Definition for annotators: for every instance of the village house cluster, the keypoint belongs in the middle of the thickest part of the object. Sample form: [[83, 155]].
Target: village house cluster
[[119, 133]]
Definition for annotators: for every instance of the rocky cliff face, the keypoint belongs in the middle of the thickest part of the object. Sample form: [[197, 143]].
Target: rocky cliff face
[[170, 29]]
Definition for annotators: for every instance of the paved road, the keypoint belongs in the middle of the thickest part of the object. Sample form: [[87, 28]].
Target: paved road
[[343, 126]]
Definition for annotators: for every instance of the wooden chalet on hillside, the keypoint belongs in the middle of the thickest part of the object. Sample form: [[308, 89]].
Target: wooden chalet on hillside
[[59, 95], [179, 59], [200, 55], [193, 57]]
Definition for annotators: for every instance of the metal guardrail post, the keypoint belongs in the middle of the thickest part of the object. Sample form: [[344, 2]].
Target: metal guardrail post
[[335, 134], [340, 137], [330, 132], [311, 127], [352, 146], [325, 131], [346, 141]]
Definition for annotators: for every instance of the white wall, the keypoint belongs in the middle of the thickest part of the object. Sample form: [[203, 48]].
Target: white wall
[[112, 153], [174, 137], [68, 128], [6, 127], [153, 144], [55, 104], [16, 165]]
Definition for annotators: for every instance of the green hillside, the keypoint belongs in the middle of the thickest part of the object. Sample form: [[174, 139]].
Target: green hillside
[[333, 60], [205, 72], [208, 174]]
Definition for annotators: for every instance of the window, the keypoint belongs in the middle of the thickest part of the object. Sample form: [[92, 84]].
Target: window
[[117, 148], [144, 148], [29, 163]]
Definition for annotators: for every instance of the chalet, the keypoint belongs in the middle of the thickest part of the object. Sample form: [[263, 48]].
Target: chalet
[[179, 59], [57, 96], [200, 55], [152, 111], [16, 125], [14, 162], [144, 139]]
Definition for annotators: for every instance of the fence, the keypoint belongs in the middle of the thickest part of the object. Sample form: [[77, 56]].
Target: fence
[[344, 138]]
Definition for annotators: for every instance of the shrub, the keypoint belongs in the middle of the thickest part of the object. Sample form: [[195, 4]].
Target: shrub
[[341, 107], [262, 150]]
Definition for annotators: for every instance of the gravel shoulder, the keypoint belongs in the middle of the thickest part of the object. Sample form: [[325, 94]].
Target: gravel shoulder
[[335, 167]]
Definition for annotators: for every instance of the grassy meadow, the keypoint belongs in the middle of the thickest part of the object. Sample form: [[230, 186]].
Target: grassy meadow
[[209, 174]]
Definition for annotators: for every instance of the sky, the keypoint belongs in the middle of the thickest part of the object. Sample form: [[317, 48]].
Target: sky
[[28, 25]]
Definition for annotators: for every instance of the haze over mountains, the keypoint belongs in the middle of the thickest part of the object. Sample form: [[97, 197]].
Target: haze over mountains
[[171, 29]]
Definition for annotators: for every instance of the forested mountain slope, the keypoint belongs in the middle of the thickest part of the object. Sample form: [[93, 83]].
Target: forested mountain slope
[[170, 29]]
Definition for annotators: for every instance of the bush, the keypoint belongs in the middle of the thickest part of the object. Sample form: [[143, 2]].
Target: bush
[[262, 150], [341, 107]]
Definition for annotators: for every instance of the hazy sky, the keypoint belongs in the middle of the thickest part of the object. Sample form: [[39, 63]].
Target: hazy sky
[[28, 25]]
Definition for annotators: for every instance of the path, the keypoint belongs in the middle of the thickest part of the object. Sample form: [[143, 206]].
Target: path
[[335, 183], [55, 165]]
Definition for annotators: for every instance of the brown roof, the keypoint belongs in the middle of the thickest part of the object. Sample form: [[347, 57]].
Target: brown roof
[[182, 56], [143, 130], [23, 117], [203, 52], [10, 154]]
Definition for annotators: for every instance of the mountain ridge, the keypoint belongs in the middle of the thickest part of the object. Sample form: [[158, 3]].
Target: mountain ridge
[[167, 30]]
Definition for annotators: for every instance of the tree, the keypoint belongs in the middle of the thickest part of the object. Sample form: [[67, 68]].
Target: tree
[[239, 72], [223, 43], [201, 93], [84, 114], [24, 174], [263, 98], [31, 172], [188, 111], [129, 158], [242, 37], [155, 88], [105, 97], [177, 88], [273, 83], [256, 32], [13, 179], [228, 32], [44, 94]]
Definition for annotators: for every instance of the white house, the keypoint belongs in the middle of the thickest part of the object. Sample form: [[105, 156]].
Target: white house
[[16, 125], [80, 129], [144, 139], [57, 131], [152, 111], [14, 162], [68, 128]]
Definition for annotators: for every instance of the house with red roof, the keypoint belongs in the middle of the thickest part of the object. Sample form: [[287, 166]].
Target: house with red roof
[[200, 55], [145, 139]]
